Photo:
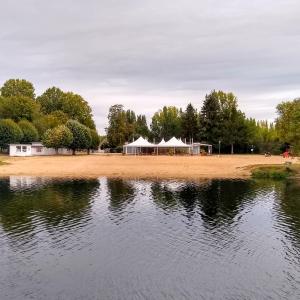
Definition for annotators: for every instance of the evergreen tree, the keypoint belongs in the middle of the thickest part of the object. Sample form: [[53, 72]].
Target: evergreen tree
[[190, 126], [210, 119]]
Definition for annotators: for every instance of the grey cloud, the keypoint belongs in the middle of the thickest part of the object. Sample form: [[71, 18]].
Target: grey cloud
[[148, 53]]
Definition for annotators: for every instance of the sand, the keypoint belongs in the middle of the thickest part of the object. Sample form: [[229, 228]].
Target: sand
[[96, 165]]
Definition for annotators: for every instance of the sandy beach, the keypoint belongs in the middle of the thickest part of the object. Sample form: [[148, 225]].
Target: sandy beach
[[181, 167]]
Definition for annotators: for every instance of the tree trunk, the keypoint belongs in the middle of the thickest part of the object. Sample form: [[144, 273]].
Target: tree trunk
[[88, 151], [232, 148], [73, 151]]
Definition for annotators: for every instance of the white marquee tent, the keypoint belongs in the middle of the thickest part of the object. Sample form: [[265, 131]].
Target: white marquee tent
[[142, 146], [136, 146]]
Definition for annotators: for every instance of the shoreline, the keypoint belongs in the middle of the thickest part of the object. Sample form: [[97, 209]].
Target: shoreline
[[137, 167]]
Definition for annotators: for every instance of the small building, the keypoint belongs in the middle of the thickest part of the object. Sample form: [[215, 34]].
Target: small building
[[34, 149], [20, 150]]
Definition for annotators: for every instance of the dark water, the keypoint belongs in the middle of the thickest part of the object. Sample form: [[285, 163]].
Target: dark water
[[122, 239]]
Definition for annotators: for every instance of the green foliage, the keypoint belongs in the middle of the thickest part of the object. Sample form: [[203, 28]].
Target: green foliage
[[117, 126], [95, 139], [81, 136], [210, 119], [189, 123], [272, 172], [141, 127], [58, 137], [18, 108], [72, 105], [51, 100], [45, 122], [10, 133], [288, 123], [166, 123], [18, 88], [30, 133], [78, 109]]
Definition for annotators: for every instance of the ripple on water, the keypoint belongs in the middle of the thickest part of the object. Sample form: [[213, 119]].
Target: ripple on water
[[141, 239]]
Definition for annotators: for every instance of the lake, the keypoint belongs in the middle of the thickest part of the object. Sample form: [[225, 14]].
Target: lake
[[141, 239]]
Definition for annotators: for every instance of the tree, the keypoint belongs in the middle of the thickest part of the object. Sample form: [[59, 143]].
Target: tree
[[190, 126], [78, 109], [81, 136], [233, 121], [210, 119], [58, 137], [30, 133], [141, 127], [18, 87], [18, 108], [288, 122], [166, 123], [45, 122], [95, 140], [51, 100], [117, 126], [10, 133]]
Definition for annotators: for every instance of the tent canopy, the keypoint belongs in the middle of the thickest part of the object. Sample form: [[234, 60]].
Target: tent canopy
[[162, 142], [140, 142], [173, 142]]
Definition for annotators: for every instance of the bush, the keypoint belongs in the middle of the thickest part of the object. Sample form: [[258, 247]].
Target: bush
[[30, 133], [10, 133], [81, 136], [58, 137]]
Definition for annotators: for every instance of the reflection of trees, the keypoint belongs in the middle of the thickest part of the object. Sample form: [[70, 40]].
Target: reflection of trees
[[121, 193], [289, 204], [216, 201], [57, 205]]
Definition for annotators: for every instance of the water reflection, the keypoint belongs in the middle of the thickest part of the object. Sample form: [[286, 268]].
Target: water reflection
[[142, 239], [28, 202]]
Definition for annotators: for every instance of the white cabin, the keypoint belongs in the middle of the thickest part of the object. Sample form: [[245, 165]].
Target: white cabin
[[34, 149]]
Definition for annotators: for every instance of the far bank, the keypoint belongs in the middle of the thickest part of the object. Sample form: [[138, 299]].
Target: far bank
[[177, 167]]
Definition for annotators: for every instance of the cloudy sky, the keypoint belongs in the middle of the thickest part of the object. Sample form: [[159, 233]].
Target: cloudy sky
[[145, 54]]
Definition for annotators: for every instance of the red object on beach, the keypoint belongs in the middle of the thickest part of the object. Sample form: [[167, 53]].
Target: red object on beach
[[286, 154]]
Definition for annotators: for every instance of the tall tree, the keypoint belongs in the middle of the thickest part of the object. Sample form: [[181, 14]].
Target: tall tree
[[141, 128], [78, 109], [18, 87], [10, 133], [190, 126], [232, 120], [51, 100], [210, 119], [166, 123], [18, 108], [45, 122], [117, 126], [288, 122]]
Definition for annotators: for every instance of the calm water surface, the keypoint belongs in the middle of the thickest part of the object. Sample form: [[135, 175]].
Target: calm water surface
[[127, 239]]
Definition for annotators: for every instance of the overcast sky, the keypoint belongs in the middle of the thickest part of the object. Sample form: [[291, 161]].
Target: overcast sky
[[145, 54]]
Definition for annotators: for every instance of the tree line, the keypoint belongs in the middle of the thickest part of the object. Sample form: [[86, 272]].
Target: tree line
[[219, 122], [59, 119]]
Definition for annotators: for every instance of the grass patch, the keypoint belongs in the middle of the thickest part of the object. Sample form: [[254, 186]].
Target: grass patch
[[275, 172]]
